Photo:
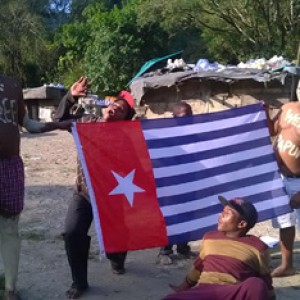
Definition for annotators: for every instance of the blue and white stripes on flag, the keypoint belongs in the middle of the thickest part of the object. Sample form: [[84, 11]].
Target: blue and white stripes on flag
[[156, 182], [199, 157]]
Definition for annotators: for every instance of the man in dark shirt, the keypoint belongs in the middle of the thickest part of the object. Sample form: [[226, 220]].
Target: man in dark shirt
[[79, 215], [12, 115]]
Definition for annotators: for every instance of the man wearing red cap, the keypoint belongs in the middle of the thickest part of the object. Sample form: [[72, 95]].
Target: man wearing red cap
[[231, 264], [79, 215]]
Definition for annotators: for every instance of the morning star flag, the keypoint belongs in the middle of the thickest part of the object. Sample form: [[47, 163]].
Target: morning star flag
[[156, 182]]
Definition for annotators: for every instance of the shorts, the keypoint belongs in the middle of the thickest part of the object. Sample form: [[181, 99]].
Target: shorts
[[292, 186], [11, 186]]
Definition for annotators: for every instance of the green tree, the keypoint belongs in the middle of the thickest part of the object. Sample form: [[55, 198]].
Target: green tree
[[177, 19], [109, 40], [72, 39], [239, 29], [114, 52], [70, 42], [21, 41], [26, 29], [230, 30], [108, 45]]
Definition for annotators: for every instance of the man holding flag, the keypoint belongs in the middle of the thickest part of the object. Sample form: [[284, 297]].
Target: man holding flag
[[80, 215], [159, 184]]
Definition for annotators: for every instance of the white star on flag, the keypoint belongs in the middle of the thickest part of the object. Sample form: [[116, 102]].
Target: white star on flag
[[126, 186]]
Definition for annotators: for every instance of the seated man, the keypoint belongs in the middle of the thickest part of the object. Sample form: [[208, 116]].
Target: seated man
[[231, 264]]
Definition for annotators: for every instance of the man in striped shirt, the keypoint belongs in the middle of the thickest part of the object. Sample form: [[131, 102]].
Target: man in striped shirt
[[231, 264]]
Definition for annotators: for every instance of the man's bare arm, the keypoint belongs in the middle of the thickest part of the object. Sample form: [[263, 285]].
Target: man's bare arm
[[34, 126]]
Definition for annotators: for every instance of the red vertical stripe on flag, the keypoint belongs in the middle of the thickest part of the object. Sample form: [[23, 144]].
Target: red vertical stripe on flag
[[123, 184]]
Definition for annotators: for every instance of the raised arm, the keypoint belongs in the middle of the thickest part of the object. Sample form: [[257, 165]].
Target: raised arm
[[78, 89]]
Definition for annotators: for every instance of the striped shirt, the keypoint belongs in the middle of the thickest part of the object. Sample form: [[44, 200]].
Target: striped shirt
[[11, 186], [224, 260]]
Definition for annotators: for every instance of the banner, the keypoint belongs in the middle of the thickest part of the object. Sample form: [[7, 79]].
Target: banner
[[156, 182]]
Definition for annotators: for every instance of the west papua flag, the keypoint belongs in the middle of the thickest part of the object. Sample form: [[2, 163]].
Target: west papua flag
[[156, 182]]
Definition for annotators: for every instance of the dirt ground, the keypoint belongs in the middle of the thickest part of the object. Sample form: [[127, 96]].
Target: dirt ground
[[50, 162]]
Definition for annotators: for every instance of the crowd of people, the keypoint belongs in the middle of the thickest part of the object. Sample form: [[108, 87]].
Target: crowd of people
[[230, 263]]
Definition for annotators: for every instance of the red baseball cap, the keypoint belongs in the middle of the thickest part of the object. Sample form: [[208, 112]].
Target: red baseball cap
[[124, 95]]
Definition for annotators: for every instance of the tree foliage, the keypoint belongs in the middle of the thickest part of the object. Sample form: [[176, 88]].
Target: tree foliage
[[109, 40], [122, 38], [177, 19], [239, 29], [21, 41], [71, 42], [118, 47], [108, 45]]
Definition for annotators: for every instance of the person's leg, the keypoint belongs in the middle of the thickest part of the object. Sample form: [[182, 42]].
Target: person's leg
[[164, 255], [10, 249], [184, 249], [287, 237], [12, 201], [286, 225], [117, 261], [77, 243]]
